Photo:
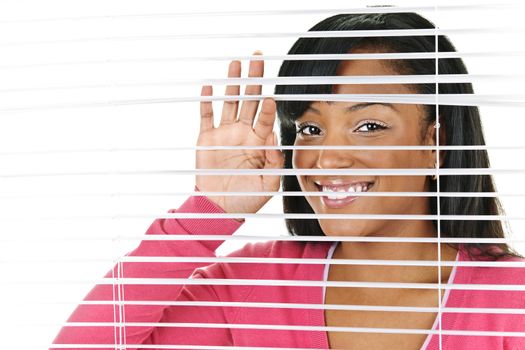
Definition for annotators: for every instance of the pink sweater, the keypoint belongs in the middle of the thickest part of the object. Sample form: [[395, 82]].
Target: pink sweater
[[149, 333]]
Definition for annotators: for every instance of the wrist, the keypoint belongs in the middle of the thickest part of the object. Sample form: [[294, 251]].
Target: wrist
[[218, 204]]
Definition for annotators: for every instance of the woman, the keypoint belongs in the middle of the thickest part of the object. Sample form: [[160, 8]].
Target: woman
[[322, 123]]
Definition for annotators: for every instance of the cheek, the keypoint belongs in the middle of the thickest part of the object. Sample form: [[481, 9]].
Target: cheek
[[411, 183], [303, 158], [398, 159]]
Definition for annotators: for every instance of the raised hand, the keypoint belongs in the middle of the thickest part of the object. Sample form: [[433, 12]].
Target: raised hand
[[238, 129]]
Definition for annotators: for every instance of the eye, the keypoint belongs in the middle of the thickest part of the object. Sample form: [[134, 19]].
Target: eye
[[306, 126], [369, 126]]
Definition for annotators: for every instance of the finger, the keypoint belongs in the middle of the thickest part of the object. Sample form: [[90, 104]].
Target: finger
[[249, 108], [266, 119], [229, 109], [206, 109]]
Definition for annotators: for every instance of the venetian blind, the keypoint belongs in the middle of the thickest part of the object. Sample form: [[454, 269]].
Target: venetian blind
[[99, 103]]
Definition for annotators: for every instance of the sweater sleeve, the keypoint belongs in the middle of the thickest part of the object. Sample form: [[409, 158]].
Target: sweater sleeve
[[146, 303]]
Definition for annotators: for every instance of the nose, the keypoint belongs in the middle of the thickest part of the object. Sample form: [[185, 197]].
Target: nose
[[335, 158]]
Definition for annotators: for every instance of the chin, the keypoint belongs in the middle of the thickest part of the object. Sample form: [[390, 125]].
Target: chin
[[335, 228]]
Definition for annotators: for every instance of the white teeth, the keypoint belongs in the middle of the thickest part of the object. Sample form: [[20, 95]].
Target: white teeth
[[335, 196], [341, 196], [342, 189]]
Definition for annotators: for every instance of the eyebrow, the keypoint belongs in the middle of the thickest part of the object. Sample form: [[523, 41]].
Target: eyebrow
[[356, 107]]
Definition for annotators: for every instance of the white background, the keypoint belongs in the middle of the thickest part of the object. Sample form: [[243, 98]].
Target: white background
[[44, 275]]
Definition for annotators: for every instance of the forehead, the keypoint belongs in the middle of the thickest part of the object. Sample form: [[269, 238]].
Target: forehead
[[369, 68], [365, 67]]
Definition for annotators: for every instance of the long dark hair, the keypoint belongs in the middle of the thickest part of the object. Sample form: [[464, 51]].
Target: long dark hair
[[460, 124]]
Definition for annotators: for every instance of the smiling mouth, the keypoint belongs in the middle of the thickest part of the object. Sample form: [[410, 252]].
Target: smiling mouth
[[342, 191]]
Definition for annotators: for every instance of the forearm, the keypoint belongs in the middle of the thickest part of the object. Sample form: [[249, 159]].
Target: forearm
[[112, 314]]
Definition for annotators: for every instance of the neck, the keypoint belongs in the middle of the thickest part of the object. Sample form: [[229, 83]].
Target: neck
[[395, 251]]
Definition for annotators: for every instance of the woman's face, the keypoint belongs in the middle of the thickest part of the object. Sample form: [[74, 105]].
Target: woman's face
[[365, 124]]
